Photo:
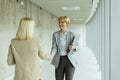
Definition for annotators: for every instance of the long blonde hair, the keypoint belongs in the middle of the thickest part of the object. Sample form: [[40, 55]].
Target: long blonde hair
[[26, 29]]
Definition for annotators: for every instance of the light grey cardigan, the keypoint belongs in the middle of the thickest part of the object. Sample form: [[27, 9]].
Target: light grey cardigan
[[24, 54]]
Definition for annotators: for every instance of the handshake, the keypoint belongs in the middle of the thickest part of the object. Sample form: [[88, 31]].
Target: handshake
[[49, 56]]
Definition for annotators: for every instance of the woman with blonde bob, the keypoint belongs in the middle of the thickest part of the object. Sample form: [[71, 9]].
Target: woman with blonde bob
[[62, 44], [24, 51]]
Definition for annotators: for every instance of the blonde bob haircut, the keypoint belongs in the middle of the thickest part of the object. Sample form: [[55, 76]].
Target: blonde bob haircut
[[25, 29], [65, 18]]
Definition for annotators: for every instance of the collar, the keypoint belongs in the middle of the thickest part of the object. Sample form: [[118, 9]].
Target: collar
[[64, 33]]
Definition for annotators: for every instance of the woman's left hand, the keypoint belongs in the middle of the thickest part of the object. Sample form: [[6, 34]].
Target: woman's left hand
[[71, 47]]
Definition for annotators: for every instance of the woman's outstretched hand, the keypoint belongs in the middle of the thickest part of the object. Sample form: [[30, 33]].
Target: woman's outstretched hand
[[50, 57]]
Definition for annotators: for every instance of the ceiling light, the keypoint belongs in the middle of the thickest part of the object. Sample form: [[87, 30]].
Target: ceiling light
[[70, 8], [77, 19], [20, 2]]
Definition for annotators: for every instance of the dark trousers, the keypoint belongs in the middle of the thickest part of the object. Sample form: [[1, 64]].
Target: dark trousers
[[65, 68]]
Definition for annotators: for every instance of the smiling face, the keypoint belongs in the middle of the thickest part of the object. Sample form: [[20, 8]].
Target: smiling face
[[63, 22]]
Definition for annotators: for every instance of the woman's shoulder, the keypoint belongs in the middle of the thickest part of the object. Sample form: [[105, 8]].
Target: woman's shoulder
[[14, 39], [56, 32], [70, 32], [31, 39], [37, 39]]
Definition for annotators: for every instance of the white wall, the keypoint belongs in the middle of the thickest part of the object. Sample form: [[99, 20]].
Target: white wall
[[93, 34], [110, 16], [115, 40], [79, 29], [98, 37]]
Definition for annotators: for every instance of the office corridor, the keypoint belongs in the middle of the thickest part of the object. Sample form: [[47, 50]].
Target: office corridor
[[99, 40]]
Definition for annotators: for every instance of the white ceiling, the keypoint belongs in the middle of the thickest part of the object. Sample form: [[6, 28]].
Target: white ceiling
[[54, 7]]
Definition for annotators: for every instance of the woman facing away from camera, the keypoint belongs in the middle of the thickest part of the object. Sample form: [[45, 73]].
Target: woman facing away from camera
[[24, 51]]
